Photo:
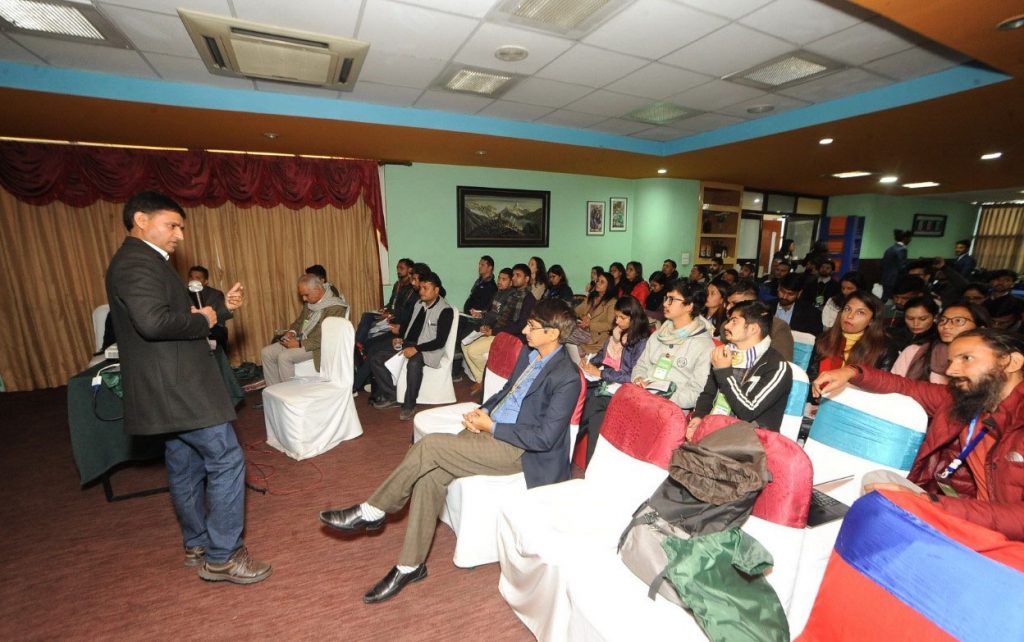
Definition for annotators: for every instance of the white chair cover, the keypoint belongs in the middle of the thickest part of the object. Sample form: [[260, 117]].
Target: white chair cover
[[437, 387], [310, 415], [306, 369], [794, 413], [99, 320], [831, 463]]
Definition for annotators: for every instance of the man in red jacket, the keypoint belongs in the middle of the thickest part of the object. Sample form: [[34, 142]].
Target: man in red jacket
[[972, 459]]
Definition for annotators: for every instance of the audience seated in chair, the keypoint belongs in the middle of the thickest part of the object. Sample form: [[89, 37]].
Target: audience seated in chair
[[302, 340], [522, 428], [781, 334], [857, 338], [749, 380], [800, 315], [969, 461], [508, 314], [423, 345], [480, 296], [402, 291], [597, 313]]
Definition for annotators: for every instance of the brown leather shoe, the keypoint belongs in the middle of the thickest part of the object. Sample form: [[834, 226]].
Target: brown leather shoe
[[239, 569], [195, 555]]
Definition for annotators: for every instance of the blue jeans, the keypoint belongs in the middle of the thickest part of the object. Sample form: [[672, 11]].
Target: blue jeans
[[206, 477]]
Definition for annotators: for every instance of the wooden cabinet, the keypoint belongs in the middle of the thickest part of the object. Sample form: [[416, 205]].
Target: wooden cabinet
[[718, 224]]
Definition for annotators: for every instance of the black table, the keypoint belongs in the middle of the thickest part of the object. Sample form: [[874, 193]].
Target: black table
[[98, 440]]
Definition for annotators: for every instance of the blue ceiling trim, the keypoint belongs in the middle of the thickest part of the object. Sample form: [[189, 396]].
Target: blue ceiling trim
[[114, 87]]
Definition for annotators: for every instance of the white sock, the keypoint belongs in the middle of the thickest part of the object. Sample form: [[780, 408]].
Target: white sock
[[405, 570], [370, 513]]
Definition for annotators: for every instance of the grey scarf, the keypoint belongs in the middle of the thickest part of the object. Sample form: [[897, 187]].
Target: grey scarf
[[316, 311]]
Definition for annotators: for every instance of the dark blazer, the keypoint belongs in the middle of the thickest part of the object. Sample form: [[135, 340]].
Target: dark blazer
[[215, 299], [170, 376], [806, 318], [542, 427]]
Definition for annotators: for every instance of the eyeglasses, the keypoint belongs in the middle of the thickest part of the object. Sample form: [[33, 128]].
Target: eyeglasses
[[533, 328], [958, 322], [672, 299]]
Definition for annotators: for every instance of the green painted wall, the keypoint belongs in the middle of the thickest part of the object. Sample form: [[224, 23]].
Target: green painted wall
[[884, 213], [421, 209]]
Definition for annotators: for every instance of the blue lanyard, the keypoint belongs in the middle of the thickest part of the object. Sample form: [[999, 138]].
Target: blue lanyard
[[972, 442]]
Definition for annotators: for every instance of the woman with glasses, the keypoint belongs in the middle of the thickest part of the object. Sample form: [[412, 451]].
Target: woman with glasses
[[597, 313], [928, 361], [558, 285], [679, 353], [856, 338], [613, 364]]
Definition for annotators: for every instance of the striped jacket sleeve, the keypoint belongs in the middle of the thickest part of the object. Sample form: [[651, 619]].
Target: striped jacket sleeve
[[750, 401]]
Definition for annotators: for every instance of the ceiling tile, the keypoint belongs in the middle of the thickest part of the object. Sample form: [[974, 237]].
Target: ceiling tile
[[451, 101], [547, 93], [801, 21], [621, 126], [653, 28], [403, 71], [728, 50], [180, 69], [333, 17], [11, 51], [474, 8], [590, 66], [170, 7], [270, 87], [715, 95], [514, 111], [912, 63], [399, 28], [781, 104], [707, 122], [656, 81], [479, 49], [728, 8], [859, 44], [567, 118], [660, 133], [62, 53], [154, 32], [608, 103], [370, 92], [843, 83]]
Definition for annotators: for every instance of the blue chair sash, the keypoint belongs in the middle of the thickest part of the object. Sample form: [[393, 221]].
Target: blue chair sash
[[864, 435], [797, 398], [802, 354]]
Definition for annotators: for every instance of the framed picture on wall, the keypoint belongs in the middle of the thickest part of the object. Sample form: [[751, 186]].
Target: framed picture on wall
[[595, 218], [929, 225], [491, 217], [617, 220]]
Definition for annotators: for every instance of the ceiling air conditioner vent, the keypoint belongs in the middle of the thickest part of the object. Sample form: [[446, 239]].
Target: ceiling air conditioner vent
[[241, 49]]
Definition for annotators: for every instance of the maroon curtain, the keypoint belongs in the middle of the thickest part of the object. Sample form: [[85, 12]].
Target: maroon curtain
[[40, 173]]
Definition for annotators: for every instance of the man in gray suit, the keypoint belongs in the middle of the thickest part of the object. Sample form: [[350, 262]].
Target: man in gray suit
[[523, 428], [173, 386]]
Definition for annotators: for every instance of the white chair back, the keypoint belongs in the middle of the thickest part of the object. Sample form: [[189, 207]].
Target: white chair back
[[99, 320], [793, 416], [803, 348]]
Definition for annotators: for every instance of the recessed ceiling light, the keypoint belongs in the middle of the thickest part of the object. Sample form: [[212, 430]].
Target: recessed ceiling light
[[481, 152], [270, 135], [665, 171], [785, 70], [920, 185], [474, 80], [888, 179], [757, 200], [991, 156], [60, 19], [511, 53], [1016, 22], [760, 109], [825, 141], [660, 113], [853, 174]]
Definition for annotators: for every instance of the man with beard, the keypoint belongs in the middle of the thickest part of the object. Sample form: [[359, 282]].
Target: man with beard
[[971, 460]]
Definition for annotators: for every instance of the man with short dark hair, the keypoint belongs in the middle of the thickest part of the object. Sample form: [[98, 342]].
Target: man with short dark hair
[[401, 292], [769, 290], [823, 286], [780, 333], [1006, 313], [301, 342], [748, 271], [523, 428], [484, 287], [423, 344], [970, 460], [749, 380], [699, 275], [668, 268], [964, 263], [1001, 282], [173, 386], [715, 268], [513, 315], [800, 315]]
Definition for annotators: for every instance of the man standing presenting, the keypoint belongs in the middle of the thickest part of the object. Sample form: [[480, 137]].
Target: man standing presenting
[[525, 427], [173, 386]]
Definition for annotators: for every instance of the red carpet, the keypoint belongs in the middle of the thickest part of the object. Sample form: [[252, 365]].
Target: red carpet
[[76, 567]]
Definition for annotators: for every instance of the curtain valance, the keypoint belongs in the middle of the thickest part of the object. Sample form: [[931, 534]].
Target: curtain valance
[[78, 175]]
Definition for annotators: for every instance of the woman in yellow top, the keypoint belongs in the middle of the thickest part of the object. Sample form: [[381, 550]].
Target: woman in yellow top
[[597, 313], [857, 338]]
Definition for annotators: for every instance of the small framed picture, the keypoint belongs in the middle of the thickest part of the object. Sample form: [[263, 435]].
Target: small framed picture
[[595, 218], [617, 221], [929, 225]]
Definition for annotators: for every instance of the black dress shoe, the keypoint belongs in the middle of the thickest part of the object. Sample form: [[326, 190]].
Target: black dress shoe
[[392, 583], [350, 520]]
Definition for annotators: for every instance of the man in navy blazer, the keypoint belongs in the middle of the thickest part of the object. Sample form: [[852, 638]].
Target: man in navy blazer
[[523, 428]]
